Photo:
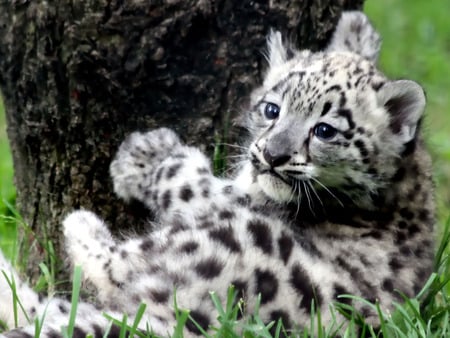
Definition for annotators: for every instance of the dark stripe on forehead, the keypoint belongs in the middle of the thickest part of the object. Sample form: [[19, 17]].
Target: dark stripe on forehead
[[282, 82], [334, 88], [326, 108], [348, 115], [282, 86]]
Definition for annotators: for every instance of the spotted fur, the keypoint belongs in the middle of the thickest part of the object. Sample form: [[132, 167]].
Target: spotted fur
[[335, 197]]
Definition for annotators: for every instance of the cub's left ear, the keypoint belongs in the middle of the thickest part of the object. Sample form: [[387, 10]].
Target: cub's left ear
[[405, 101], [354, 33]]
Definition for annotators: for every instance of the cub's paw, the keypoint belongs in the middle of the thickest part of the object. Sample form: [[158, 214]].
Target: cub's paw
[[86, 236], [137, 158], [354, 33]]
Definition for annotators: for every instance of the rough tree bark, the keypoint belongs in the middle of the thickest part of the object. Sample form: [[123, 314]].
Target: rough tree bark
[[77, 76]]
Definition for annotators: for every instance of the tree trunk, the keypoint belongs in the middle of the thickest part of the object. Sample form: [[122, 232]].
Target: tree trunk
[[77, 76]]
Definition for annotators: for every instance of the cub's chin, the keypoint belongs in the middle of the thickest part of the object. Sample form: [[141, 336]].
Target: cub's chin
[[275, 188]]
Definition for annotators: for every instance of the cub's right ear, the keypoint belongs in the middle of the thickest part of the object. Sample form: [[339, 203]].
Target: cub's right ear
[[277, 52], [354, 33]]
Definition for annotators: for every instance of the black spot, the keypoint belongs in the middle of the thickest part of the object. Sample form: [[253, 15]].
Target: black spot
[[205, 192], [159, 174], [159, 296], [266, 285], [348, 135], [123, 254], [203, 171], [410, 147], [339, 290], [209, 268], [377, 85], [261, 234], [240, 288], [374, 234], [243, 200], [406, 213], [395, 264], [186, 193], [282, 315], [302, 284], [342, 100], [98, 332], [189, 247], [372, 171], [326, 108], [362, 148], [424, 215], [399, 175], [78, 333], [206, 224], [285, 245], [62, 308], [360, 130], [200, 318], [388, 285], [226, 214], [402, 225], [114, 332], [173, 170], [54, 334], [413, 229], [400, 237], [226, 237], [227, 190], [166, 199], [406, 250], [146, 245]]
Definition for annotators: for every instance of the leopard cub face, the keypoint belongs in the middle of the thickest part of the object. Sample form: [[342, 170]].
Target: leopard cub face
[[330, 122]]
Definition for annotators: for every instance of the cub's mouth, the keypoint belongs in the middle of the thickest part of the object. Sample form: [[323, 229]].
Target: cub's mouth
[[274, 184]]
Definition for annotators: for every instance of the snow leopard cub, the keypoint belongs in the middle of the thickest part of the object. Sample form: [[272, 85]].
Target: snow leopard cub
[[334, 198]]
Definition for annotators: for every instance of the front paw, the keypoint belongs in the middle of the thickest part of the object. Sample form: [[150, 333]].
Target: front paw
[[137, 157], [86, 237]]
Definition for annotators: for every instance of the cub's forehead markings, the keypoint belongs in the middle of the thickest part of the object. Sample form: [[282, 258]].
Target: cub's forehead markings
[[347, 113], [285, 81]]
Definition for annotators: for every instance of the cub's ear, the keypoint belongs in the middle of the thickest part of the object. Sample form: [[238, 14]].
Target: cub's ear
[[405, 101], [277, 52], [354, 33]]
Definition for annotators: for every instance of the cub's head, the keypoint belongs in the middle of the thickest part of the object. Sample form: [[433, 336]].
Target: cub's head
[[330, 121]]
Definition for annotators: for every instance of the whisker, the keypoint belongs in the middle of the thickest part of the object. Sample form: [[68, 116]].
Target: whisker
[[299, 197], [328, 190], [315, 193], [237, 156], [232, 145], [308, 196]]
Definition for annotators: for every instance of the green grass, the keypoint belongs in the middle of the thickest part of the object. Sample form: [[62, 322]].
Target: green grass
[[7, 191], [416, 45]]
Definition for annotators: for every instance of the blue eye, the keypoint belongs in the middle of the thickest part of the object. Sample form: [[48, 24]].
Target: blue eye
[[324, 131], [271, 111]]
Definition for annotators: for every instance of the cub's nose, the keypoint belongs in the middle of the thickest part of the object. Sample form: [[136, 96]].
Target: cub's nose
[[275, 159]]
